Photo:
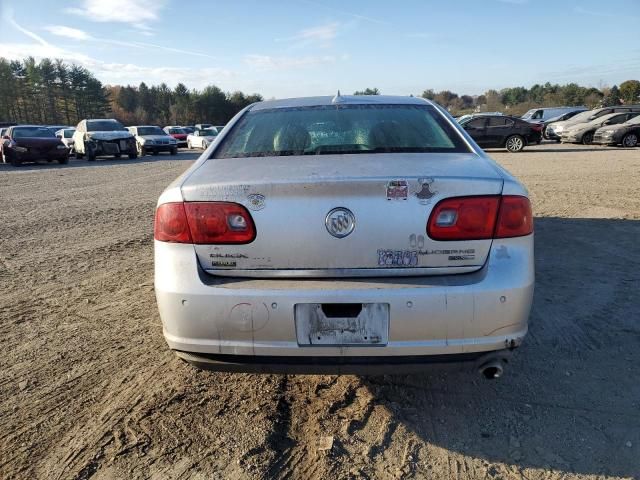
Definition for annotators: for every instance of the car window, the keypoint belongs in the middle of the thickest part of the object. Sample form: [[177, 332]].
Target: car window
[[335, 129], [36, 132], [68, 133], [104, 125], [500, 122], [150, 131], [176, 130], [476, 123]]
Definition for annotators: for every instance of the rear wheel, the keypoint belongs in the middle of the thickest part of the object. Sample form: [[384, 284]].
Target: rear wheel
[[630, 140], [587, 138], [63, 160], [514, 143]]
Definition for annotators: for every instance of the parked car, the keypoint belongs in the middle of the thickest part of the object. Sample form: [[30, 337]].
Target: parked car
[[102, 137], [153, 139], [463, 118], [554, 130], [559, 118], [387, 189], [179, 133], [626, 134], [202, 126], [512, 133], [189, 129], [542, 115], [66, 136], [28, 143], [201, 138], [583, 132]]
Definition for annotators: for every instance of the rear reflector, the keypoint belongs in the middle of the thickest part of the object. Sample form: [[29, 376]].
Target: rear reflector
[[204, 223], [479, 218]]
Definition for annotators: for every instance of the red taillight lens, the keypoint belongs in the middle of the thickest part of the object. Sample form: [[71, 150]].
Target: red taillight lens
[[171, 224], [464, 218], [479, 218], [219, 222], [204, 223], [515, 218]]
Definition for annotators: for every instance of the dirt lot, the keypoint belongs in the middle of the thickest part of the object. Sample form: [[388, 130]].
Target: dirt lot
[[88, 387]]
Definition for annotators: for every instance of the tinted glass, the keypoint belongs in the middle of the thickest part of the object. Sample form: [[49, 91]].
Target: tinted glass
[[104, 125], [176, 130], [26, 132], [335, 129], [499, 122], [476, 123], [68, 133], [150, 131]]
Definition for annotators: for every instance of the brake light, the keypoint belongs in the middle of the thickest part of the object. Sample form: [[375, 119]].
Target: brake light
[[171, 224], [204, 223], [515, 218], [481, 217]]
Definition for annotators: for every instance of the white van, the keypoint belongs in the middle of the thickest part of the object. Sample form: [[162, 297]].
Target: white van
[[541, 115]]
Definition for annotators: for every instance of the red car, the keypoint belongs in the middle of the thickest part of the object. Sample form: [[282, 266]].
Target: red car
[[178, 133], [28, 143]]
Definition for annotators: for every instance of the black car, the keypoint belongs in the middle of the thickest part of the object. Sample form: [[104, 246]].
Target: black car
[[28, 143], [512, 133]]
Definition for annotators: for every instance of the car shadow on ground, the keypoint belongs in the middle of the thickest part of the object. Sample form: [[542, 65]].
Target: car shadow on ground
[[185, 155], [569, 398]]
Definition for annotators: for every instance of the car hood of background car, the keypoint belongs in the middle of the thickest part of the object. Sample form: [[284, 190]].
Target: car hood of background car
[[114, 135], [38, 142]]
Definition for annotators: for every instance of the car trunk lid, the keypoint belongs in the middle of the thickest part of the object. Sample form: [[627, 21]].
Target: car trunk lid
[[389, 196]]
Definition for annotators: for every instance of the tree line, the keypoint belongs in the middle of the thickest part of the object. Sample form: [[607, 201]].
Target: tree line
[[518, 100], [52, 92]]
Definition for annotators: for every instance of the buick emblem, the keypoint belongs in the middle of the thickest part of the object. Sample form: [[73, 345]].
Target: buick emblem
[[340, 222]]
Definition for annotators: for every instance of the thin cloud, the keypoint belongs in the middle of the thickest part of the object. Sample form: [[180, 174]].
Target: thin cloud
[[345, 12], [600, 14], [67, 32], [8, 17], [137, 13], [321, 35], [267, 62]]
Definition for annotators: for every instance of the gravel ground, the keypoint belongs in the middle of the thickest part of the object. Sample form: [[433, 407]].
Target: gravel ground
[[88, 387]]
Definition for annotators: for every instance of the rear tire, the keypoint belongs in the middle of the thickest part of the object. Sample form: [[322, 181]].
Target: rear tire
[[587, 138], [514, 143], [63, 161], [630, 140]]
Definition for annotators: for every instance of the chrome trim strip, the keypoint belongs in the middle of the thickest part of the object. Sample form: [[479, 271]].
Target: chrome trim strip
[[344, 272]]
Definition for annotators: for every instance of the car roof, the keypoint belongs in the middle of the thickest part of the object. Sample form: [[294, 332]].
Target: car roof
[[339, 100]]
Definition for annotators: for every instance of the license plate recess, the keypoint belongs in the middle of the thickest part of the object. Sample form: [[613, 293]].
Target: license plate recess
[[342, 324]]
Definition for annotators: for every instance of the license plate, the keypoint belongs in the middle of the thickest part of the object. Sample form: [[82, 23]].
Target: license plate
[[123, 145], [342, 324]]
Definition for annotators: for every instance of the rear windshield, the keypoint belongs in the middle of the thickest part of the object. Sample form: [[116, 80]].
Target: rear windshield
[[336, 129], [150, 131], [104, 125], [176, 131], [26, 132]]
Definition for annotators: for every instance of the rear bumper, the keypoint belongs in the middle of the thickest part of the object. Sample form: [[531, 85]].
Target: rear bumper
[[57, 154], [234, 319], [374, 365]]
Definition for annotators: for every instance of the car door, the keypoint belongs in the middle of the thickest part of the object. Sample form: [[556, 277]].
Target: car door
[[498, 129], [477, 129]]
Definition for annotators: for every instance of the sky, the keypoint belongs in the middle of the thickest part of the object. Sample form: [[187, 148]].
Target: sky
[[294, 48]]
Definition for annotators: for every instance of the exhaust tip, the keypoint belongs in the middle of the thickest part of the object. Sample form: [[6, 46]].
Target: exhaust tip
[[492, 370]]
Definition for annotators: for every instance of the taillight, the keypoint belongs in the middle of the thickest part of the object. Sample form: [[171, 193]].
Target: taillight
[[171, 224], [204, 223], [480, 218], [515, 218]]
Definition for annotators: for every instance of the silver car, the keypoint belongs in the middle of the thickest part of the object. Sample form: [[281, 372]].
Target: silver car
[[344, 235]]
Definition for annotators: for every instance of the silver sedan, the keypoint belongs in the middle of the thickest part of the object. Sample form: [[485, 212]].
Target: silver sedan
[[346, 234]]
